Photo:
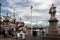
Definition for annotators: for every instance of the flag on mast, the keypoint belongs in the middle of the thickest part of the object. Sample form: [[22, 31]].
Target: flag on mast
[[31, 19], [31, 6]]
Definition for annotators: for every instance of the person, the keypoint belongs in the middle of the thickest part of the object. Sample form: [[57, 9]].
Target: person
[[10, 31], [18, 32], [6, 33], [0, 31], [24, 33], [3, 32], [43, 33], [21, 32]]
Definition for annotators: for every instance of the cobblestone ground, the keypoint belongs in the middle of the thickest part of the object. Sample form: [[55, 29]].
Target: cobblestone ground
[[28, 38], [15, 38]]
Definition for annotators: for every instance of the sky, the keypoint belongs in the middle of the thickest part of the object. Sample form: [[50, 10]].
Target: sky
[[40, 10]]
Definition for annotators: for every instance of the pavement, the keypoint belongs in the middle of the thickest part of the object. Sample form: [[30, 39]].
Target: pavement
[[28, 38]]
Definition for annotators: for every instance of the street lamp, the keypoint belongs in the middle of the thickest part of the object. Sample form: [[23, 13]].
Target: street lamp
[[0, 9], [0, 18]]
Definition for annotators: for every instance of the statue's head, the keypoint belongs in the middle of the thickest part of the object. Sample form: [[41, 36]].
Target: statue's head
[[52, 4]]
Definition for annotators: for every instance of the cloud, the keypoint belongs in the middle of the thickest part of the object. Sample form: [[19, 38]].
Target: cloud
[[57, 3], [40, 9]]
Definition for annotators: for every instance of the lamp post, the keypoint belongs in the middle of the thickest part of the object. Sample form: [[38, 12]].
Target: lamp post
[[0, 18], [14, 18], [0, 14], [0, 9]]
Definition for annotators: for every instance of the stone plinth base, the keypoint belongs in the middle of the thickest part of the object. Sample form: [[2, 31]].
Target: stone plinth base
[[52, 29], [54, 36], [53, 20], [51, 38]]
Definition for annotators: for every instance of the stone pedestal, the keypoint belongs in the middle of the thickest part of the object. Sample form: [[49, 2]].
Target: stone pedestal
[[52, 29]]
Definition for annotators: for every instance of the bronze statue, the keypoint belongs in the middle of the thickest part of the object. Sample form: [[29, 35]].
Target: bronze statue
[[52, 10]]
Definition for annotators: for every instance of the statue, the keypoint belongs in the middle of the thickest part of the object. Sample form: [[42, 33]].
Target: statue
[[52, 10]]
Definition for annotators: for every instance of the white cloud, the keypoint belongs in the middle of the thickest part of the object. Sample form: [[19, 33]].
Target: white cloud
[[43, 5], [13, 2], [41, 1], [8, 8]]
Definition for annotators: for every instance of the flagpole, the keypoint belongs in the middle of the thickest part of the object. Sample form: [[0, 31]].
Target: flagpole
[[31, 20]]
